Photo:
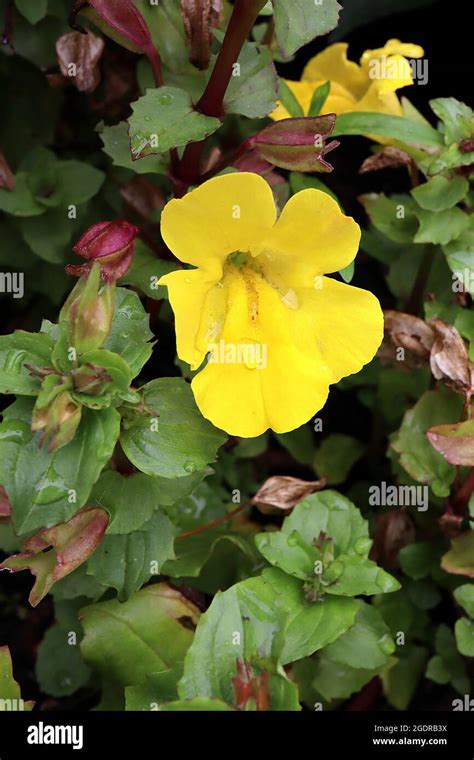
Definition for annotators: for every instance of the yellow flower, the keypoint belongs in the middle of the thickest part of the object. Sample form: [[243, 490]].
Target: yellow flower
[[370, 86], [276, 332]]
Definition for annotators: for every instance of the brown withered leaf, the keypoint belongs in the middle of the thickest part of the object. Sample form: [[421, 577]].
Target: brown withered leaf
[[409, 332], [78, 58], [282, 492], [455, 442], [6, 175], [387, 158], [393, 531], [199, 17], [449, 359]]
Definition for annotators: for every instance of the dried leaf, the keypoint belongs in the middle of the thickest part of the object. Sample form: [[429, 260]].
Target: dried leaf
[[393, 531], [387, 158], [449, 359], [199, 17], [78, 58], [69, 544], [410, 333], [454, 442], [283, 492], [6, 175]]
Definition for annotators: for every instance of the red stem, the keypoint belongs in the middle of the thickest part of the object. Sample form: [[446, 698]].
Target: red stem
[[217, 522], [211, 102]]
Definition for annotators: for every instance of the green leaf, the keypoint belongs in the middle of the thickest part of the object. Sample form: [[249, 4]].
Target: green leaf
[[76, 182], [402, 676], [464, 632], [146, 270], [116, 493], [457, 118], [126, 562], [130, 332], [367, 644], [60, 669], [302, 21], [192, 553], [20, 201], [289, 101], [32, 10], [117, 145], [46, 488], [253, 92], [419, 560], [464, 596], [125, 642], [357, 576], [447, 666], [382, 125], [164, 118], [198, 703], [10, 695], [416, 455], [319, 98], [300, 181], [460, 558], [460, 257], [441, 193], [48, 235], [256, 621], [156, 689], [16, 350], [392, 216], [336, 456], [182, 441], [441, 227]]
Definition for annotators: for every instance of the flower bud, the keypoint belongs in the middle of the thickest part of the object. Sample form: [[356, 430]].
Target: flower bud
[[58, 420], [110, 243], [297, 144], [89, 311]]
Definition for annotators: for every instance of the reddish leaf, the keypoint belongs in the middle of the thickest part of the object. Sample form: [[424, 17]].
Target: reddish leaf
[[78, 58], [124, 18], [5, 506], [455, 442], [460, 558], [6, 176], [72, 543], [250, 688], [297, 144]]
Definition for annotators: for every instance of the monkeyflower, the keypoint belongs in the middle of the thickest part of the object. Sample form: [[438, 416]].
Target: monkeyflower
[[276, 333], [112, 244], [368, 86]]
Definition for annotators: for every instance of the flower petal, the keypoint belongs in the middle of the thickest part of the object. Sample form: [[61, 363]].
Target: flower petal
[[285, 387], [199, 304], [225, 214], [392, 47], [332, 64], [349, 325], [312, 237]]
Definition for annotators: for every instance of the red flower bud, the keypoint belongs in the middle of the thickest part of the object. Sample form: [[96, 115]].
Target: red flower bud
[[251, 692], [110, 243], [297, 144]]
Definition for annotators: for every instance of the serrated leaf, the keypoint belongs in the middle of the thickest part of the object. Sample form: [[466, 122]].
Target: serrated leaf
[[117, 145], [441, 227], [16, 350], [130, 332], [46, 488], [126, 562], [457, 118], [254, 92], [130, 500], [181, 443], [302, 21], [441, 193], [367, 644], [165, 118]]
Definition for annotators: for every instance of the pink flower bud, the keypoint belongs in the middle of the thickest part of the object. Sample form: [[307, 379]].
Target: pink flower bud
[[110, 243], [297, 144]]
